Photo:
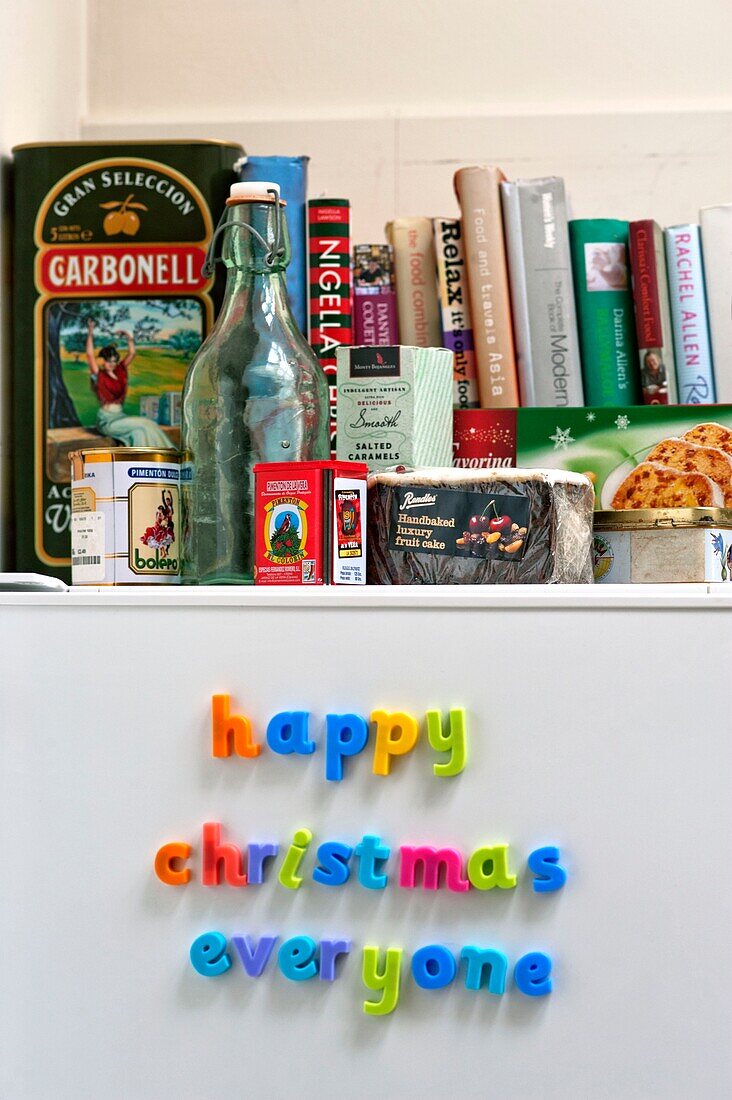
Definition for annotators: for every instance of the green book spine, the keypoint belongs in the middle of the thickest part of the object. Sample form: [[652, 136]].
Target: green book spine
[[604, 297]]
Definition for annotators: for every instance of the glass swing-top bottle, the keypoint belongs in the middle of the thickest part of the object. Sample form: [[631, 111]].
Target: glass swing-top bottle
[[254, 392]]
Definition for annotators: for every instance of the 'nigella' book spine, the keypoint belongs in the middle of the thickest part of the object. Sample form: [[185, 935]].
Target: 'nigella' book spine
[[374, 296], [457, 333], [689, 316], [542, 292], [652, 314], [329, 283]]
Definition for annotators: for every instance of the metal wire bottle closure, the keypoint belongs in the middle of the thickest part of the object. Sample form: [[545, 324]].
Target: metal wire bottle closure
[[273, 253]]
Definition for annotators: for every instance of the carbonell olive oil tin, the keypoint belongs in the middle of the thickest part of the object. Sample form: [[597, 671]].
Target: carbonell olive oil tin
[[125, 516], [110, 304]]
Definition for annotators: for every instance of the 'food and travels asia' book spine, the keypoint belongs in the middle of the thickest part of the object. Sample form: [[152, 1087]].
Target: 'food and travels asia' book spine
[[542, 294], [605, 311], [329, 285], [457, 334], [478, 193], [416, 281], [374, 296], [652, 313]]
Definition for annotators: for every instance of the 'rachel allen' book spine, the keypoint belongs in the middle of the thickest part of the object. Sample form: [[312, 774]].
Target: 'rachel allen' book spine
[[716, 238], [605, 311], [416, 281], [689, 316], [457, 334], [329, 284], [652, 314], [542, 293], [478, 193]]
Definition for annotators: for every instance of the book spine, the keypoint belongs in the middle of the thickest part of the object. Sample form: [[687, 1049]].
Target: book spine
[[542, 292], [291, 173], [329, 285], [374, 298], [457, 333], [416, 281], [605, 311], [689, 316], [716, 238], [479, 197], [652, 314]]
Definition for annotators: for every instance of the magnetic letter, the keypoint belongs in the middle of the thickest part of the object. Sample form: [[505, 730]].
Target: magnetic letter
[[288, 871], [385, 981], [215, 853], [454, 742], [334, 869], [329, 952], [209, 956], [164, 859], [254, 959], [370, 852], [480, 960], [231, 732], [256, 855], [433, 967], [544, 862], [396, 734], [296, 958], [288, 732], [345, 735], [497, 872], [531, 974], [431, 860]]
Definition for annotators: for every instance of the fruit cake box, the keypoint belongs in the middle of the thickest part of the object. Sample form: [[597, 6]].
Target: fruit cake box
[[110, 304], [635, 456]]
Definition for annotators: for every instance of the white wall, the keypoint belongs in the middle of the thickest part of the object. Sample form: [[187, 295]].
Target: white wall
[[42, 98], [631, 102]]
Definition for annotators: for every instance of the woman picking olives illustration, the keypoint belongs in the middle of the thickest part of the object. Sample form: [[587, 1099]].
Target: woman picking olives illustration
[[108, 373]]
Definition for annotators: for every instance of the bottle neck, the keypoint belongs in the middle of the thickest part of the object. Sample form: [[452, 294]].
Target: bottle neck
[[255, 282]]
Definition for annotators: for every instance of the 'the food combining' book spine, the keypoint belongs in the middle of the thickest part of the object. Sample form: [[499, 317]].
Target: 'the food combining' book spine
[[605, 311], [329, 285], [542, 294], [374, 296], [478, 192], [687, 295], [457, 334], [416, 281], [652, 314], [716, 238]]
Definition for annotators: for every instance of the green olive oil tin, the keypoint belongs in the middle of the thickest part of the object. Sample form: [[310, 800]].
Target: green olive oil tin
[[110, 304]]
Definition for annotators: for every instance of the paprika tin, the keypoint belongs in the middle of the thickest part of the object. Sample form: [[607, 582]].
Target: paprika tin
[[125, 516], [110, 304], [310, 523]]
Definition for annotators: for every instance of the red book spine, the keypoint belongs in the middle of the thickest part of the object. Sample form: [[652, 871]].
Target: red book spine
[[329, 287], [646, 296]]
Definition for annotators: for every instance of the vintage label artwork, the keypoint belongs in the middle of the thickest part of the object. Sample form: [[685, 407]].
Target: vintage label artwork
[[285, 530], [118, 316], [110, 306]]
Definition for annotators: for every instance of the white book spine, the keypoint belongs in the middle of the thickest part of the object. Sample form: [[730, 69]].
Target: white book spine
[[716, 234]]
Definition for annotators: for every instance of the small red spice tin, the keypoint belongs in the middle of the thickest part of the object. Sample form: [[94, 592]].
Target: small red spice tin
[[310, 522]]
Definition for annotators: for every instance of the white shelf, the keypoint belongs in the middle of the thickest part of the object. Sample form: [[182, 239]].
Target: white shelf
[[711, 596]]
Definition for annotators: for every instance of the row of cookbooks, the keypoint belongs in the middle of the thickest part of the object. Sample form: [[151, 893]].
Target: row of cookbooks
[[539, 310]]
